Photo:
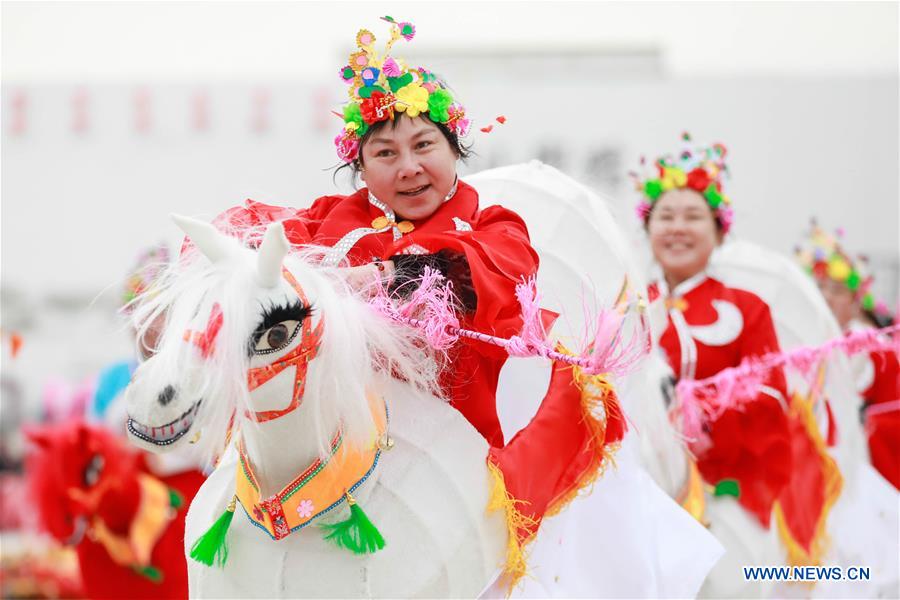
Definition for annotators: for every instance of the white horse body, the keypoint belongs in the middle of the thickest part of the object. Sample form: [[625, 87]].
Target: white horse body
[[430, 489], [428, 499]]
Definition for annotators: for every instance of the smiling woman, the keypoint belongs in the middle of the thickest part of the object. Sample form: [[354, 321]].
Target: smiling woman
[[401, 136], [747, 453]]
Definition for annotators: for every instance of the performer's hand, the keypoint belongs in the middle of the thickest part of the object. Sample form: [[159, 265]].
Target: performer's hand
[[368, 277]]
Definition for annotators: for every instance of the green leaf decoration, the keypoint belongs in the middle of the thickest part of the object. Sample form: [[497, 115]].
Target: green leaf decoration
[[398, 82], [348, 73], [868, 302], [713, 197], [175, 499], [853, 281], [728, 487], [352, 114], [438, 103], [653, 188], [150, 572], [367, 91], [388, 19]]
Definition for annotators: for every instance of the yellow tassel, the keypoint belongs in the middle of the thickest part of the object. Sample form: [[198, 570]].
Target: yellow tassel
[[692, 498], [516, 562], [834, 482]]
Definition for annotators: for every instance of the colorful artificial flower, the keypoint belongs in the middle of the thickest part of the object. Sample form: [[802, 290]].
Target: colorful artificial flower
[[391, 68], [822, 256], [439, 102], [381, 84], [305, 509], [347, 146], [413, 99], [377, 107], [696, 168]]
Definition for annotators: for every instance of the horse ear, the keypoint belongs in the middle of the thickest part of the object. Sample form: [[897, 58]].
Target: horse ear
[[211, 243], [270, 256]]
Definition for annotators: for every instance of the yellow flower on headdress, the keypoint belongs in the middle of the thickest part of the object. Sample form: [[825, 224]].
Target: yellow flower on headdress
[[413, 99], [838, 269], [365, 38], [673, 178]]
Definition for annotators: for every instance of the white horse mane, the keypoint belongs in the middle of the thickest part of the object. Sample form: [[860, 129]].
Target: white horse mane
[[359, 349]]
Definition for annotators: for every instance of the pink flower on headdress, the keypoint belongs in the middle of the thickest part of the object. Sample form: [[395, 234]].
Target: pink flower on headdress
[[305, 509], [458, 123], [391, 68], [643, 210], [347, 146], [347, 74], [725, 214], [407, 30]]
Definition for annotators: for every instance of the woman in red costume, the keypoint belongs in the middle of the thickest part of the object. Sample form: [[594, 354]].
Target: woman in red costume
[[401, 136], [846, 285], [711, 327]]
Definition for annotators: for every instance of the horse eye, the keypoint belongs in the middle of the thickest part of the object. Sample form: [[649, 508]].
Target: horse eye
[[92, 471], [667, 386], [277, 337]]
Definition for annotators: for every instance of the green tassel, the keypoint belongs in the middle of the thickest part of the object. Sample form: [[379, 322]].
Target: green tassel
[[150, 572], [175, 499], [357, 534], [728, 487], [210, 547]]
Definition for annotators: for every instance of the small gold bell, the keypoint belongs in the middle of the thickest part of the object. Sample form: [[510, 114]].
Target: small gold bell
[[385, 442], [196, 438]]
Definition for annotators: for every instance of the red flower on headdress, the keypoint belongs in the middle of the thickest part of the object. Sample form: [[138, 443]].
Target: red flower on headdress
[[698, 179], [379, 107]]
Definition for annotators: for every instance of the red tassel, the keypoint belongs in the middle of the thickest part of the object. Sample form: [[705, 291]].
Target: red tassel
[[487, 129], [501, 119], [832, 426]]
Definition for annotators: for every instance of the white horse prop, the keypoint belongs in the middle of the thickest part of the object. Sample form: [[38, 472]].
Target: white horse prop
[[369, 484]]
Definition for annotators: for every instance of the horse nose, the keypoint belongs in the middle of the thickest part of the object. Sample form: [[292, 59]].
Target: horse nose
[[166, 396]]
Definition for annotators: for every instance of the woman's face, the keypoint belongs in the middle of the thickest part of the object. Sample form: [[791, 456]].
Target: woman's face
[[840, 299], [683, 234], [409, 166]]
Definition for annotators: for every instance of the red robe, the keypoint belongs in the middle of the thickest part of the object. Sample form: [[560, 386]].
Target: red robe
[[495, 242], [882, 387], [712, 327]]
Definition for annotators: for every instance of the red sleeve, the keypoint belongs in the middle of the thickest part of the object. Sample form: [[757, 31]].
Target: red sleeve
[[886, 382], [760, 339], [499, 253]]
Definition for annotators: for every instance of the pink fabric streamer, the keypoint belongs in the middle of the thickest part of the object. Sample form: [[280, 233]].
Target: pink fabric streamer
[[430, 309], [735, 386]]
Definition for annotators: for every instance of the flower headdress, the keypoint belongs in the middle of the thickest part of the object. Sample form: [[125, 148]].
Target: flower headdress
[[381, 85], [822, 256], [697, 168], [151, 262]]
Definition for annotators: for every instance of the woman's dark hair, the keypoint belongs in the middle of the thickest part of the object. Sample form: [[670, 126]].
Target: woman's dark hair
[[464, 151]]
